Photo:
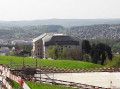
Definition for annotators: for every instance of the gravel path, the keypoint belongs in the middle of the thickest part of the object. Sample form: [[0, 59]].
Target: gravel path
[[102, 79]]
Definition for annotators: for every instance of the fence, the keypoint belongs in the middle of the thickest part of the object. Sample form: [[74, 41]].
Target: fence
[[7, 73], [50, 69], [67, 83]]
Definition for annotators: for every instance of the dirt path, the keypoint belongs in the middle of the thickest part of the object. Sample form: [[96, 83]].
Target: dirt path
[[102, 79]]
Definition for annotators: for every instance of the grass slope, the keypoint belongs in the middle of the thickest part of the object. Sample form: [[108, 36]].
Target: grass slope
[[56, 63], [35, 85], [14, 84]]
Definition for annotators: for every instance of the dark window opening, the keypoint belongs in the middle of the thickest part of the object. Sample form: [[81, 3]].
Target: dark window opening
[[66, 46]]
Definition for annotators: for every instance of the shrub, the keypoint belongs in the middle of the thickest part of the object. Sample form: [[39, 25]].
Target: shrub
[[87, 58], [11, 54], [114, 63]]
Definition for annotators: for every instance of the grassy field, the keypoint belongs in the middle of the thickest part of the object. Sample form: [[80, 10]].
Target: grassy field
[[14, 84], [35, 85], [56, 63]]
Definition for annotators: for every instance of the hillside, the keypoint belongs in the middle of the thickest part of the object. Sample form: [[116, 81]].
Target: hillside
[[81, 28], [62, 22], [55, 63], [105, 31], [96, 31], [22, 32]]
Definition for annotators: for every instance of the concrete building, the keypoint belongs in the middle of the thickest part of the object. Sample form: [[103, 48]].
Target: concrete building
[[44, 41], [21, 42]]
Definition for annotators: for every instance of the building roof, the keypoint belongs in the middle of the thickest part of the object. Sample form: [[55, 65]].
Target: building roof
[[4, 48], [39, 37], [62, 40], [46, 34]]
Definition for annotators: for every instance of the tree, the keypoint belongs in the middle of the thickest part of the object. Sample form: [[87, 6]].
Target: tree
[[95, 53], [115, 62], [86, 47], [75, 54], [64, 54], [109, 52], [101, 52], [11, 54], [53, 52], [86, 58]]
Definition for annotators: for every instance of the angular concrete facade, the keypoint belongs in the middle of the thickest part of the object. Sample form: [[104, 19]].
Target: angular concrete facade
[[42, 43]]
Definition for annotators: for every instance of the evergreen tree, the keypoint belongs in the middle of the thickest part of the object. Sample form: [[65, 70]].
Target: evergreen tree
[[100, 52], [86, 47]]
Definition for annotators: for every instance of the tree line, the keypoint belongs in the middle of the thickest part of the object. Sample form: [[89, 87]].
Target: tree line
[[72, 54], [95, 53], [98, 52]]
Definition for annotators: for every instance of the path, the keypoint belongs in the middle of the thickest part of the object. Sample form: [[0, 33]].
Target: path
[[101, 79]]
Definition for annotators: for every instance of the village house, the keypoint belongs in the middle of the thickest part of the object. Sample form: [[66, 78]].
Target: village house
[[4, 50], [42, 43]]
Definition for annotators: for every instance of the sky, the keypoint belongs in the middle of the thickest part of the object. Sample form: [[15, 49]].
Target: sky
[[15, 10]]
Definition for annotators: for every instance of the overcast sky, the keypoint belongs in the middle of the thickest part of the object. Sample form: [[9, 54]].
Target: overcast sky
[[12, 10]]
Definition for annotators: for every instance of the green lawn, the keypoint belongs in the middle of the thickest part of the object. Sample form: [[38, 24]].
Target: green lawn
[[56, 63], [14, 84], [36, 85]]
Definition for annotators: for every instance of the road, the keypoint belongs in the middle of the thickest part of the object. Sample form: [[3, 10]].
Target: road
[[101, 79]]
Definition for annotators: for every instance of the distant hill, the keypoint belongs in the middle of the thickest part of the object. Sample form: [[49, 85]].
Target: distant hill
[[96, 31], [62, 22], [22, 32], [80, 28]]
